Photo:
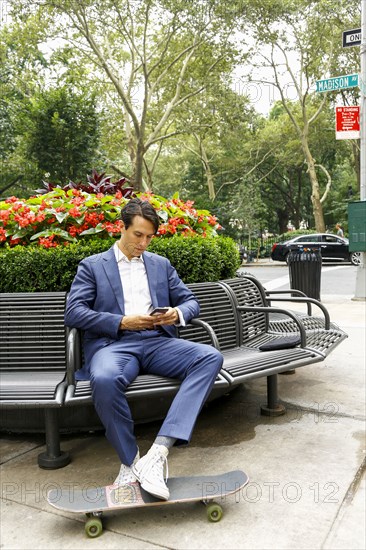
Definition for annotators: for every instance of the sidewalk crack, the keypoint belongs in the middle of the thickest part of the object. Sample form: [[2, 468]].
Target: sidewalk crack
[[330, 411], [347, 499]]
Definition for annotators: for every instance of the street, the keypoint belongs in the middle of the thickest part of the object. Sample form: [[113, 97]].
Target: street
[[335, 278]]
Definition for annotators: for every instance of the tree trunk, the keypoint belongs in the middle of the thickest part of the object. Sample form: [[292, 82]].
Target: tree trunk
[[315, 194], [282, 221], [298, 194], [209, 176], [138, 168]]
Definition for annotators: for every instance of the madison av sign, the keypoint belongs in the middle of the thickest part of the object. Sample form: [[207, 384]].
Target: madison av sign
[[337, 83]]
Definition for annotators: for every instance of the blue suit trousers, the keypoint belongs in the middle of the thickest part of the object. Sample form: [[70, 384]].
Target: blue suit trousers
[[114, 367]]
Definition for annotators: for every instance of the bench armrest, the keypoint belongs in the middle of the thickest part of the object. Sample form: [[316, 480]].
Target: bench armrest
[[293, 293], [271, 309], [308, 301], [210, 331], [73, 354]]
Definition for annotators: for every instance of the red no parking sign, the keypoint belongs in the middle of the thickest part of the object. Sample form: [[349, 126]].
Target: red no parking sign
[[348, 122]]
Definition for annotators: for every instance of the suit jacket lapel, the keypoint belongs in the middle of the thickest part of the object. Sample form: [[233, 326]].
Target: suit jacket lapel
[[152, 273], [111, 269]]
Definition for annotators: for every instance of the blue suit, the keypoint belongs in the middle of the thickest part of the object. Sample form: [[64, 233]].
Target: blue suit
[[114, 358]]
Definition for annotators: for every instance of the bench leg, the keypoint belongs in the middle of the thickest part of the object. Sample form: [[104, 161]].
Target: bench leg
[[53, 458], [273, 408]]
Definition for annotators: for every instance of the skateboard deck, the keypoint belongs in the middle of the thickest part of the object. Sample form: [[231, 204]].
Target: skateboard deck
[[93, 501]]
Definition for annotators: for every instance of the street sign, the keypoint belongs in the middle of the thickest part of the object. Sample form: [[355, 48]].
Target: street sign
[[337, 83], [351, 38], [348, 122]]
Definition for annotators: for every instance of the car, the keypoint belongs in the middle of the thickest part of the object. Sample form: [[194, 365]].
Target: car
[[331, 247]]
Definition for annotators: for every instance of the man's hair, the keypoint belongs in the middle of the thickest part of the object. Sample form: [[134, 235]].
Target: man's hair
[[137, 207]]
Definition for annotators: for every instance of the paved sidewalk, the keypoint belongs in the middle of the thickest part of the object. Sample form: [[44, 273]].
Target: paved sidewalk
[[306, 468]]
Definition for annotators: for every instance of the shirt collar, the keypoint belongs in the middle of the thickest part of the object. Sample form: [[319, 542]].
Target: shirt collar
[[120, 257]]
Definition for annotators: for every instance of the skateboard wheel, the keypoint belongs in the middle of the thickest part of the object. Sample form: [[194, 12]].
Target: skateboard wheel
[[214, 512], [94, 527]]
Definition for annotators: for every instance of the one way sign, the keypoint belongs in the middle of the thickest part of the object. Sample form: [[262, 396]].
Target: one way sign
[[352, 38]]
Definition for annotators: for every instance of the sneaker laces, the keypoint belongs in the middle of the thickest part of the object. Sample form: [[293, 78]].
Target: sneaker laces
[[157, 459]]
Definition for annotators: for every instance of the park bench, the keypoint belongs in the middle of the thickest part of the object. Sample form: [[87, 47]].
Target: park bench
[[40, 357], [240, 336], [33, 359], [322, 335]]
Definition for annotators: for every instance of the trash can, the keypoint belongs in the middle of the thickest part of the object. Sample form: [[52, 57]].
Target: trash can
[[305, 267]]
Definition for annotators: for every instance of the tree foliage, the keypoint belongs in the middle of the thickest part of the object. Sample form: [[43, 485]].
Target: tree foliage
[[296, 54], [171, 111], [149, 56], [64, 133]]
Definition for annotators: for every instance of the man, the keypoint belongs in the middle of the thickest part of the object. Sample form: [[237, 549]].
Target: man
[[339, 230], [111, 300]]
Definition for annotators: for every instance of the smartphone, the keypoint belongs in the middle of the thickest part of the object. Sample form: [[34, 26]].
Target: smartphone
[[159, 310]]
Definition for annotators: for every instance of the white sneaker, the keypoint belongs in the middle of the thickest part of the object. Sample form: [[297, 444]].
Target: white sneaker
[[149, 471], [126, 474]]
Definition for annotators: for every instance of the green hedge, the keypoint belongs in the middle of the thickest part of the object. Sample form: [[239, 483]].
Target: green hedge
[[35, 269]]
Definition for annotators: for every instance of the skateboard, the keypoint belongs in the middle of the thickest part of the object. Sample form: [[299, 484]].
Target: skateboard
[[93, 501]]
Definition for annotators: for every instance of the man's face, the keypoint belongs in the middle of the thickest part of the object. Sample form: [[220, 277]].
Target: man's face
[[135, 240]]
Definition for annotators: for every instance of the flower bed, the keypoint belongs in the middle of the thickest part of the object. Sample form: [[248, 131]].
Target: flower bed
[[64, 216]]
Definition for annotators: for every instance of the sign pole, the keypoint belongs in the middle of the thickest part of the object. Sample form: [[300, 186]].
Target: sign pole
[[360, 293], [363, 104]]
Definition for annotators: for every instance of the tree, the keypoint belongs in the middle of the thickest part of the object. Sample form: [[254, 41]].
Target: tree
[[150, 55], [22, 65], [281, 174], [296, 41], [217, 125], [64, 134]]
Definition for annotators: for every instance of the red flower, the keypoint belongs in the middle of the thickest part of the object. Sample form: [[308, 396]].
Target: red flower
[[4, 216], [47, 242], [75, 212], [14, 242], [77, 201], [26, 218], [17, 206], [74, 231], [92, 218], [113, 227]]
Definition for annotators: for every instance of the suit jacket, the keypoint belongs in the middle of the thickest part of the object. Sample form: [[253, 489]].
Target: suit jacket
[[96, 303]]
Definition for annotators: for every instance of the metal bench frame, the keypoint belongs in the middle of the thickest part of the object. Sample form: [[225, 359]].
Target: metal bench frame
[[322, 335], [33, 359], [40, 356]]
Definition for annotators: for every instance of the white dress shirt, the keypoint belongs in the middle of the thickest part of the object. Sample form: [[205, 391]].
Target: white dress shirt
[[136, 291]]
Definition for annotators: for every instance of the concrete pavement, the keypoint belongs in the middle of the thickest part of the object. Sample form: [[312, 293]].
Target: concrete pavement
[[306, 468]]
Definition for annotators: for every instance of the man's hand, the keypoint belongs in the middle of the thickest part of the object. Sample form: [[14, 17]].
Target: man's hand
[[147, 322], [137, 322], [168, 318]]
